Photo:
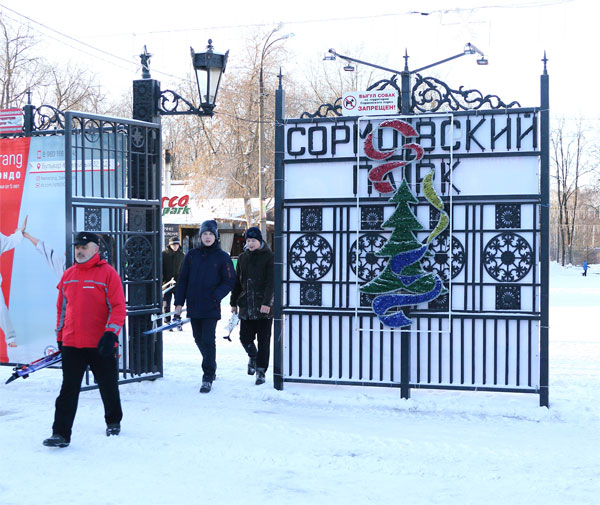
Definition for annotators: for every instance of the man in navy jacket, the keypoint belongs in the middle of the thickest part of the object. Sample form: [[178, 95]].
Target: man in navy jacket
[[206, 277]]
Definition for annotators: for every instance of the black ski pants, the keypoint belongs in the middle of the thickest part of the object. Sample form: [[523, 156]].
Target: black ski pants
[[74, 363], [259, 329]]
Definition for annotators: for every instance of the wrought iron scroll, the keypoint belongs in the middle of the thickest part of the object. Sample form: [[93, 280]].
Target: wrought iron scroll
[[325, 110], [46, 117], [431, 95], [170, 101]]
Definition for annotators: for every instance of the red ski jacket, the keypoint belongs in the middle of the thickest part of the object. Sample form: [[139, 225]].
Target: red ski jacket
[[90, 302]]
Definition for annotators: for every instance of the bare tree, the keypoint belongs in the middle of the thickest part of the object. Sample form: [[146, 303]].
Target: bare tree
[[567, 152], [19, 71]]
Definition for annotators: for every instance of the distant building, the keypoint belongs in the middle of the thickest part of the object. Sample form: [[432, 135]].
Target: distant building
[[182, 215]]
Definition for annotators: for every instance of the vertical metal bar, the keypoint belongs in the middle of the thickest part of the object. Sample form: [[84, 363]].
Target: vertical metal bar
[[370, 348], [484, 364], [278, 239], [68, 189], [391, 334], [495, 352], [320, 319], [289, 320], [102, 159], [440, 350], [380, 350], [451, 338], [518, 381], [462, 351], [418, 353], [545, 235], [350, 335], [300, 338], [360, 347], [340, 347], [507, 351], [330, 345], [310, 346], [405, 364], [473, 351]]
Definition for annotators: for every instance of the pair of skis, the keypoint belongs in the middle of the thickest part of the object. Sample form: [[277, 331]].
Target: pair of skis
[[34, 366], [233, 322], [175, 323]]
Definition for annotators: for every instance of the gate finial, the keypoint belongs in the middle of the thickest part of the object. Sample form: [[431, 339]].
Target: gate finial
[[145, 59]]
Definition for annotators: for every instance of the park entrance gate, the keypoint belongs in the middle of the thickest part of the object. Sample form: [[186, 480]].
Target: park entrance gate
[[412, 250]]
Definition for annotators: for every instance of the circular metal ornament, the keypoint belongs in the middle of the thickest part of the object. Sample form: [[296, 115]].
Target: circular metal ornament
[[369, 265], [507, 257], [138, 258], [439, 261], [311, 257]]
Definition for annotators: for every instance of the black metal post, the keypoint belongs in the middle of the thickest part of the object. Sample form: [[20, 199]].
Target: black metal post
[[405, 80], [278, 238], [28, 116], [545, 235]]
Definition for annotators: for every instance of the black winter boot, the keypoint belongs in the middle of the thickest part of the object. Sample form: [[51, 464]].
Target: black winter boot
[[260, 376], [206, 386], [56, 441], [113, 429], [251, 366]]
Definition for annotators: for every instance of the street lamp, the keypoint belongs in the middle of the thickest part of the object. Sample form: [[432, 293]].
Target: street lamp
[[261, 137], [149, 102]]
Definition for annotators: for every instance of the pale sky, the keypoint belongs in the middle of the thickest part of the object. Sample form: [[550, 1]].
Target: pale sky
[[513, 35]]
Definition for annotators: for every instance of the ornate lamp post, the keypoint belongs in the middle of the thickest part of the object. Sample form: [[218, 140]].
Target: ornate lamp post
[[149, 102], [261, 136]]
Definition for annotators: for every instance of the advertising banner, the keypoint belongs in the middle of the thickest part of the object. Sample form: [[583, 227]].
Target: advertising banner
[[32, 244]]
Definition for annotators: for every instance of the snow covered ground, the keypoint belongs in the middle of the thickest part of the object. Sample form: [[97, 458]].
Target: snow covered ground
[[317, 444]]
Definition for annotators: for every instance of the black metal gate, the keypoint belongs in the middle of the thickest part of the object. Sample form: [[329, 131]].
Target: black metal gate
[[113, 188], [490, 332]]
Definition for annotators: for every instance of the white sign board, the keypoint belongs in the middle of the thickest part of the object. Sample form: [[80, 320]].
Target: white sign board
[[370, 103], [11, 120]]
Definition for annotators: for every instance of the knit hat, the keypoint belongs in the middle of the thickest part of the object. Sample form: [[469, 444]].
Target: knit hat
[[253, 232], [211, 226], [174, 240]]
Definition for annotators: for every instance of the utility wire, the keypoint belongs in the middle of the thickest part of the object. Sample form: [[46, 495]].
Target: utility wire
[[85, 44]]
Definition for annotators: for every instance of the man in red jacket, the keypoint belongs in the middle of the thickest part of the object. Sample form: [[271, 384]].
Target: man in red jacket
[[91, 313]]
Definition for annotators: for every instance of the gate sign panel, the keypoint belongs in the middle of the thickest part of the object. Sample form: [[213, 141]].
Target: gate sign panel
[[424, 227], [370, 103]]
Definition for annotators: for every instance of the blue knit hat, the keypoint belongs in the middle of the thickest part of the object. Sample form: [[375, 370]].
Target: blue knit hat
[[253, 232], [211, 226]]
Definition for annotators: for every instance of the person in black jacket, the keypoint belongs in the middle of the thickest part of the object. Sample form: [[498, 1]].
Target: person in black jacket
[[207, 275], [172, 258], [252, 296]]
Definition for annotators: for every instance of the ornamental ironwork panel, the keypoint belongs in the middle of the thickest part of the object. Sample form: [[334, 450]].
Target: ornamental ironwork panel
[[113, 188]]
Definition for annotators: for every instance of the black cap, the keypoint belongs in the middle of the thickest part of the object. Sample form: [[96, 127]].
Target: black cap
[[174, 240], [83, 237]]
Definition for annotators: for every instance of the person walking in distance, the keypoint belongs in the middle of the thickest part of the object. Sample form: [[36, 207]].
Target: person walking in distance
[[90, 315], [206, 277], [252, 296], [172, 259]]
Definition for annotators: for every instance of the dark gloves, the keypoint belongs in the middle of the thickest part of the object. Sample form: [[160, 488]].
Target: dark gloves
[[59, 345], [106, 345]]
